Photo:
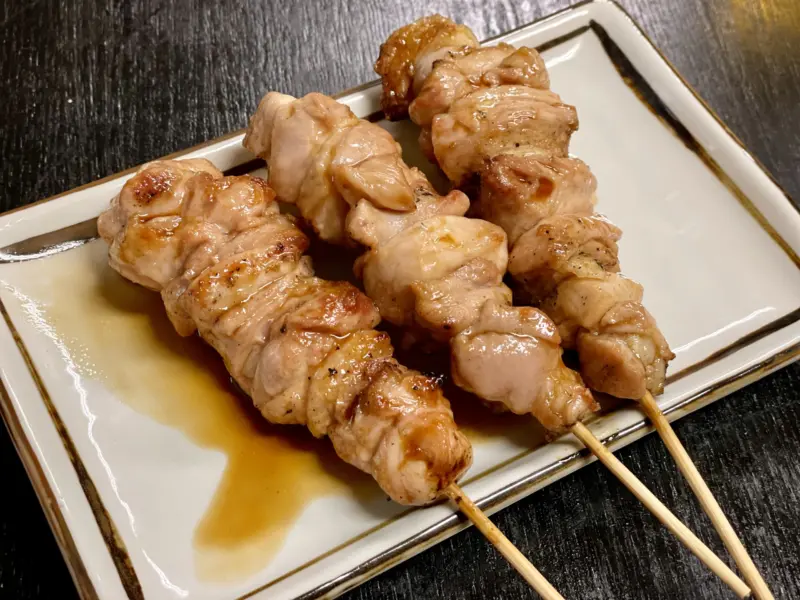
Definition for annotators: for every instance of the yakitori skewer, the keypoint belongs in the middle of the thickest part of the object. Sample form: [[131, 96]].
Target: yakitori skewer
[[230, 266], [431, 270], [490, 121]]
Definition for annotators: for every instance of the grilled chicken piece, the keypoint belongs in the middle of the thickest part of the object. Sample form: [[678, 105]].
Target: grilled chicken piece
[[230, 266], [408, 55], [569, 265], [460, 73], [452, 303], [457, 75], [335, 161], [301, 173], [516, 192], [396, 271], [157, 191], [427, 267], [520, 346], [487, 119], [563, 246], [331, 140], [370, 225], [500, 120], [626, 354]]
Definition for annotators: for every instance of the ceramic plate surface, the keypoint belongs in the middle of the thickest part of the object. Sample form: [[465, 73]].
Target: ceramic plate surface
[[160, 482]]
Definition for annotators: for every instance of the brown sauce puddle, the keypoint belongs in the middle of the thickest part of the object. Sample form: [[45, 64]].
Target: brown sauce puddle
[[118, 333]]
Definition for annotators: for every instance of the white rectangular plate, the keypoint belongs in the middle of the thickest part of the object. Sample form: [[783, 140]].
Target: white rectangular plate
[[160, 483]]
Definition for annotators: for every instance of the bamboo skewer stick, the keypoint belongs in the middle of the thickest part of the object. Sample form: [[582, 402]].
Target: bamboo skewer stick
[[523, 566], [706, 498], [661, 512]]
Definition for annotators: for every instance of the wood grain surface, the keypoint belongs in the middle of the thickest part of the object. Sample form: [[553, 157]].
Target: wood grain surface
[[91, 88]]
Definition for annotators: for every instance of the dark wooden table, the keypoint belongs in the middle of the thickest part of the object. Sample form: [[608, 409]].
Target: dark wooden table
[[92, 88]]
